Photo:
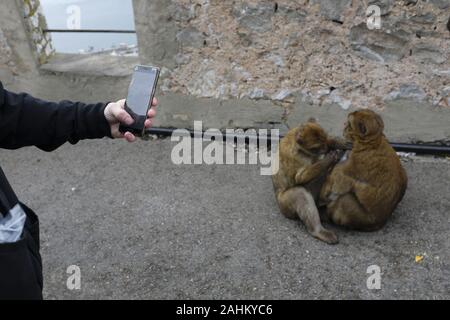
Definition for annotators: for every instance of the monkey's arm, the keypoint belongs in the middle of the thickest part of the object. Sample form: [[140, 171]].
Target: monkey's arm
[[336, 143], [306, 174]]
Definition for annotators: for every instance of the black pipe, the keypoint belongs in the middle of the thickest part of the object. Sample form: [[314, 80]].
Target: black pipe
[[400, 147], [421, 148], [86, 31]]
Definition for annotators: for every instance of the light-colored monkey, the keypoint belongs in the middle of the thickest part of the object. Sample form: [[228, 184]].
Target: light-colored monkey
[[362, 192]]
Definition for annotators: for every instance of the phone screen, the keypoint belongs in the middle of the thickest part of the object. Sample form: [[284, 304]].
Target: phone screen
[[140, 94]]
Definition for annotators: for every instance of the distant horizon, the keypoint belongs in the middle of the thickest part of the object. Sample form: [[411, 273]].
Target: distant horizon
[[95, 14]]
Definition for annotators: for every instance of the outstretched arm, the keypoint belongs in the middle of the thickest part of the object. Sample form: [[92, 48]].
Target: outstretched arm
[[336, 143], [27, 121], [306, 174]]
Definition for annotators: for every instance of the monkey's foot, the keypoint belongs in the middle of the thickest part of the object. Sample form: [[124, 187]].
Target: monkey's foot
[[326, 236]]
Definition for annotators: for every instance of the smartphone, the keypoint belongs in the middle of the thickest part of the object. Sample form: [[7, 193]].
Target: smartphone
[[140, 96]]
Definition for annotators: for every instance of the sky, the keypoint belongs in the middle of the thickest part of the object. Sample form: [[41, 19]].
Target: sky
[[94, 14]]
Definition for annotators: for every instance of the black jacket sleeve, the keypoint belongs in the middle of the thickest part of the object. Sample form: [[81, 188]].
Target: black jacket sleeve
[[27, 121]]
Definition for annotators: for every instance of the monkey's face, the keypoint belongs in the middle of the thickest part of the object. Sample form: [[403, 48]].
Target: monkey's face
[[312, 139], [363, 125]]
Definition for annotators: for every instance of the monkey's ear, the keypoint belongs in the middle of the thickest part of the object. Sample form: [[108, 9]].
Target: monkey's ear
[[312, 120], [298, 138], [379, 121], [362, 128]]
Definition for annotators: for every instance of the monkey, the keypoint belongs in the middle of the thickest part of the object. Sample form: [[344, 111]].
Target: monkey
[[362, 191], [305, 156]]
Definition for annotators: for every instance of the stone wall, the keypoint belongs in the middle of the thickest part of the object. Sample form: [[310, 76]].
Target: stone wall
[[6, 57], [23, 44], [21, 72], [36, 24], [314, 51], [262, 64], [17, 58]]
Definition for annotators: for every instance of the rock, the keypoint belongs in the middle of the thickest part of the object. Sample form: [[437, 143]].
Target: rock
[[424, 18], [407, 91], [410, 2], [385, 5], [292, 40], [256, 18], [442, 73], [185, 13], [245, 39], [293, 14], [166, 85], [182, 58], [441, 4], [206, 86], [316, 97], [305, 96], [165, 72], [282, 95], [234, 90], [322, 92], [429, 53], [335, 46], [239, 74], [379, 45], [256, 93], [446, 92], [191, 37], [443, 99], [420, 24], [276, 59], [336, 98], [333, 10]]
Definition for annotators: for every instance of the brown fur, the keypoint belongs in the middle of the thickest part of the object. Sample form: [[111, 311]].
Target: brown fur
[[362, 192], [304, 160]]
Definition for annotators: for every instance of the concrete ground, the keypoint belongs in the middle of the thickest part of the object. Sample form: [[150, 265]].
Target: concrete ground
[[140, 227]]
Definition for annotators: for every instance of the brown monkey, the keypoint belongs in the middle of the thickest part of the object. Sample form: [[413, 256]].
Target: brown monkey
[[362, 192], [304, 162]]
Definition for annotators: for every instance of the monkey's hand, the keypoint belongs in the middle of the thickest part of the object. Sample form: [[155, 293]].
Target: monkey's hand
[[336, 156], [305, 175], [337, 143]]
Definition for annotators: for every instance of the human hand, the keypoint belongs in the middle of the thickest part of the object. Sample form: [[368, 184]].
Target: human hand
[[115, 114]]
